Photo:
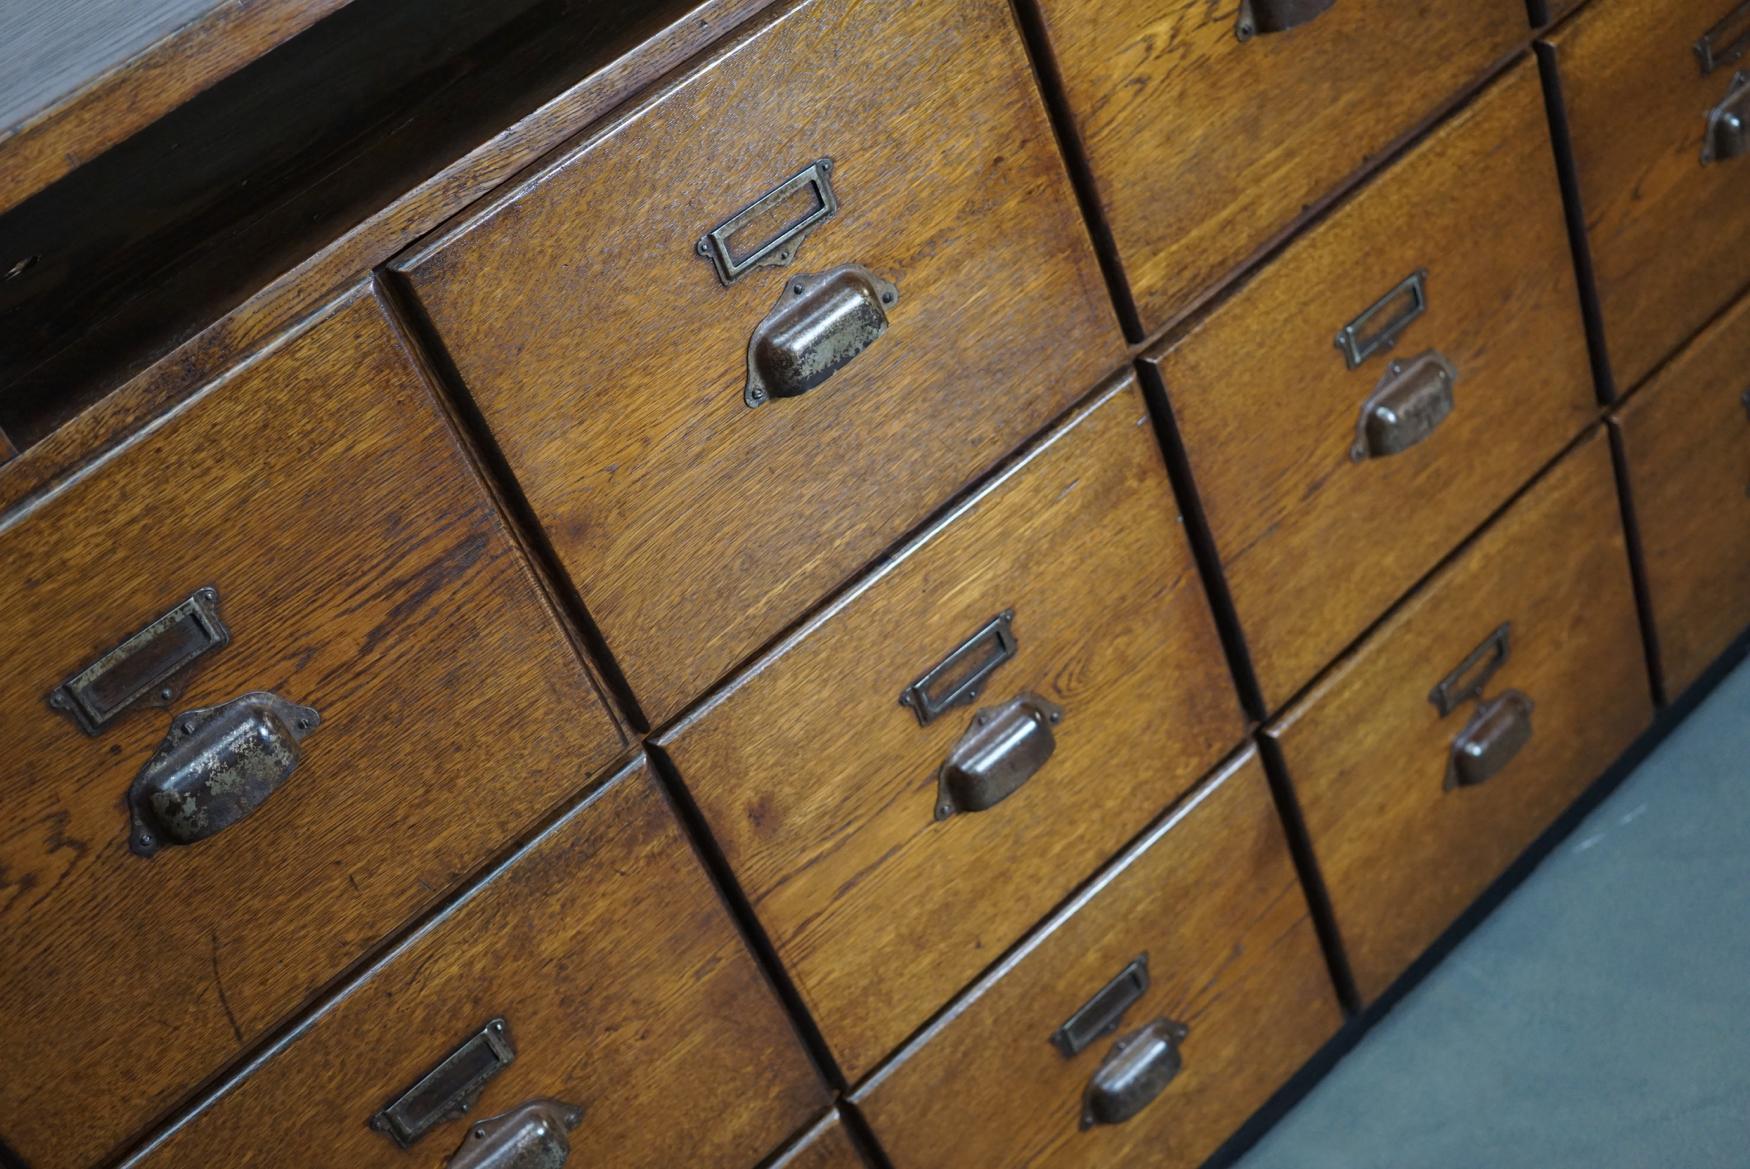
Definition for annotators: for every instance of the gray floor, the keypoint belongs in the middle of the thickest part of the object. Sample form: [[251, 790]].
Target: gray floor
[[1600, 1018]]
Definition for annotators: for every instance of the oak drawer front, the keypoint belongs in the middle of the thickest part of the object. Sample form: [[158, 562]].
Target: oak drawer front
[[825, 1146], [1234, 988], [613, 364], [1412, 812], [625, 992], [1331, 485], [1206, 147], [870, 844], [1666, 230], [1687, 438], [361, 573]]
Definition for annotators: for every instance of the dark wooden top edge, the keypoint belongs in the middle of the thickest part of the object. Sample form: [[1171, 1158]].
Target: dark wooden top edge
[[125, 98]]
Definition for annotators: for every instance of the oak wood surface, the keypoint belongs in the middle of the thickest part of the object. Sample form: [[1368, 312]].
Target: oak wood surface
[[694, 527], [82, 77], [825, 1146], [1687, 437], [1204, 148], [627, 991], [820, 787], [312, 263], [1315, 547], [1366, 750], [1665, 231], [362, 570], [1211, 897]]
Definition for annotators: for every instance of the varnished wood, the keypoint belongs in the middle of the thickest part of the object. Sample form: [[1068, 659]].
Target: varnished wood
[[125, 84], [820, 787], [1663, 228], [695, 528], [362, 570], [825, 1146], [1204, 148], [311, 262], [627, 991], [1212, 899], [1366, 749], [1687, 438], [1315, 547]]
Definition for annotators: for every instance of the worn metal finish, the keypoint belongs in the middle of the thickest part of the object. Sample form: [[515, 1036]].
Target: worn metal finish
[[723, 246], [1003, 748], [819, 324], [1101, 1015], [956, 679], [1497, 731], [1727, 136], [1134, 1072], [1470, 676], [450, 1088], [217, 765], [150, 667], [1265, 16], [1725, 43], [1409, 404], [1378, 327], [532, 1136]]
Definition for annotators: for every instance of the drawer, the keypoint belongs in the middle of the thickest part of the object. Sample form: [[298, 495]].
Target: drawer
[[1323, 512], [867, 840], [1195, 946], [1205, 148], [1666, 230], [1538, 610], [624, 991], [825, 1146], [1687, 439], [356, 567], [613, 364]]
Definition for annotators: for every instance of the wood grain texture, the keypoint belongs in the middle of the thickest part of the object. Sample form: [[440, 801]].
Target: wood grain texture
[[80, 118], [317, 263], [627, 990], [1315, 547], [825, 1146], [1665, 231], [1687, 438], [1211, 897], [1367, 749], [362, 570], [1204, 148], [820, 788], [695, 528]]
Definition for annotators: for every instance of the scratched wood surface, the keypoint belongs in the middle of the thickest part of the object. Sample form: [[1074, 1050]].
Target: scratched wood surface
[[1211, 897], [1687, 438], [362, 570], [1665, 231], [627, 991], [1315, 547], [820, 788], [1204, 148], [1366, 749], [695, 528]]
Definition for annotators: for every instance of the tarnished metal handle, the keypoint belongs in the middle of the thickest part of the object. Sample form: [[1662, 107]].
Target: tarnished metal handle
[[1003, 748], [217, 765], [819, 324], [1497, 732], [1405, 408], [1265, 16], [1137, 1069], [1727, 135], [533, 1136]]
